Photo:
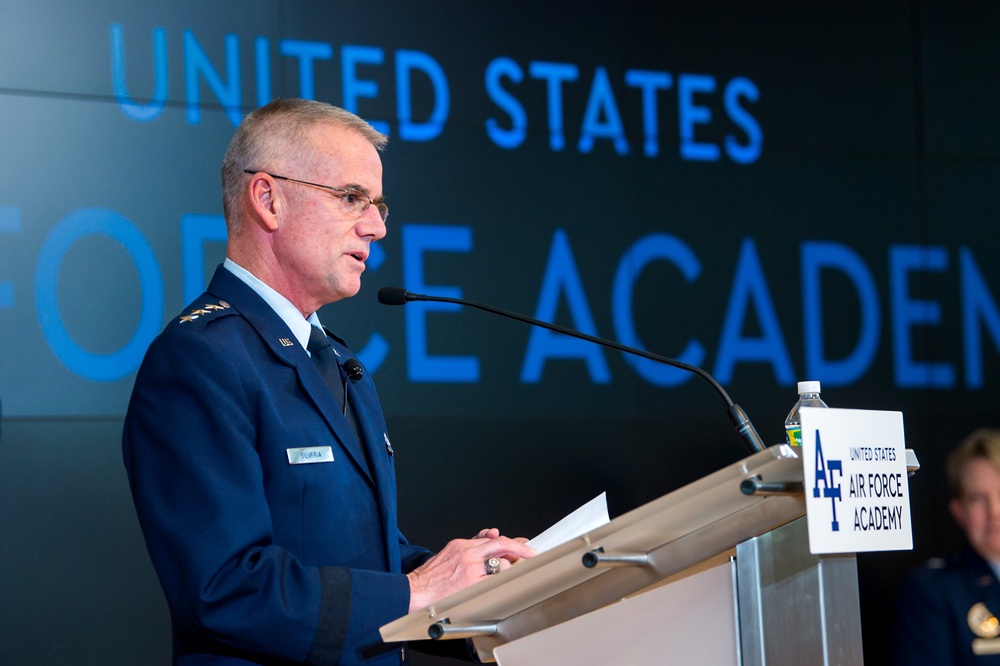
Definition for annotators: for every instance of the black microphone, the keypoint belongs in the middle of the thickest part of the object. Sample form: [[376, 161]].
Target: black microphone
[[353, 369], [739, 418]]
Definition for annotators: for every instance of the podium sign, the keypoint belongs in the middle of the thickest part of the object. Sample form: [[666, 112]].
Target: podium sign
[[855, 481]]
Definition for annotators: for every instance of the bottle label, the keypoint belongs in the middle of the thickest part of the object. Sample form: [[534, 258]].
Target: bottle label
[[794, 434]]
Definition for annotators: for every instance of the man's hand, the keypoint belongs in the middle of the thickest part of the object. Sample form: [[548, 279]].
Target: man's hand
[[460, 564]]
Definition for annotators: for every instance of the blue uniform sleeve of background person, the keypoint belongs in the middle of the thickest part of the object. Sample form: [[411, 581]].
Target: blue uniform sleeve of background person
[[922, 628]]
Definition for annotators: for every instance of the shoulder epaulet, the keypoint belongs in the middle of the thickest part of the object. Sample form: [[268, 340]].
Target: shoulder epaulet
[[204, 311]]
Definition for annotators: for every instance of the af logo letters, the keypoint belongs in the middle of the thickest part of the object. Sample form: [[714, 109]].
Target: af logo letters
[[824, 483]]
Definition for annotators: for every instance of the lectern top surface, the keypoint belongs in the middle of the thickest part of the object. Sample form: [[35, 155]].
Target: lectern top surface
[[697, 517]]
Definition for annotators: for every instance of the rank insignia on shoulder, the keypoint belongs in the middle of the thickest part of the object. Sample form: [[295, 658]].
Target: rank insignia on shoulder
[[207, 309]]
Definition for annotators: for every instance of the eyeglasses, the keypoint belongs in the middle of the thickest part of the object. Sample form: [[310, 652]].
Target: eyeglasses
[[355, 201]]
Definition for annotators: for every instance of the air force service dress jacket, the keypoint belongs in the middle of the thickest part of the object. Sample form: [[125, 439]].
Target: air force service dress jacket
[[261, 560], [933, 610]]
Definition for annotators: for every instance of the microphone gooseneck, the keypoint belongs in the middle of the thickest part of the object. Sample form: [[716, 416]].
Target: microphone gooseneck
[[739, 418]]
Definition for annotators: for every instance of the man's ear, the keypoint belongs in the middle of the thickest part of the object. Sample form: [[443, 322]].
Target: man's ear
[[264, 200], [957, 510]]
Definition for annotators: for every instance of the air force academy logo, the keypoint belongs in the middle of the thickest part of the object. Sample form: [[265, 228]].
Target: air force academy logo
[[854, 470]]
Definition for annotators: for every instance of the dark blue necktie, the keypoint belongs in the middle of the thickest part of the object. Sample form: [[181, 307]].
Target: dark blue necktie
[[326, 360]]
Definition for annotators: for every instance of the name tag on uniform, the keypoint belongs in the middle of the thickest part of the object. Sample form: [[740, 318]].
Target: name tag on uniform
[[310, 454]]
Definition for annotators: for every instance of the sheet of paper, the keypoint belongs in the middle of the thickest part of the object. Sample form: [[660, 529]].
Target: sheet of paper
[[588, 517]]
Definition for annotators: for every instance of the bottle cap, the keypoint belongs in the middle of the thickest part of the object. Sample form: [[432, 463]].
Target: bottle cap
[[808, 387]]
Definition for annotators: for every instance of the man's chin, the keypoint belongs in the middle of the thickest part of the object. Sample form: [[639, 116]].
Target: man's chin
[[989, 550], [343, 291]]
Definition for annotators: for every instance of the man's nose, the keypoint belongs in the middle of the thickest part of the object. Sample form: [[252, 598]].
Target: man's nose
[[993, 506], [371, 224]]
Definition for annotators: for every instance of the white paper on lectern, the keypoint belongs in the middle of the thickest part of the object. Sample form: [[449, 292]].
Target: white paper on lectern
[[587, 518]]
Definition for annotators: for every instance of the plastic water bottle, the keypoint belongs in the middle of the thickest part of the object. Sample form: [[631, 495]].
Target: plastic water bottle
[[808, 397]]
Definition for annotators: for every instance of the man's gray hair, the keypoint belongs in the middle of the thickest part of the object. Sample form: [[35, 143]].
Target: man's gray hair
[[272, 134]]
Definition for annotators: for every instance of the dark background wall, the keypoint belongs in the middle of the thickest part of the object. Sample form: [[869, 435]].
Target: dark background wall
[[774, 191]]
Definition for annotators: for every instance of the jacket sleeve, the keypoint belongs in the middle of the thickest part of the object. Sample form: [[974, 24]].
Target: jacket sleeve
[[190, 446], [922, 623]]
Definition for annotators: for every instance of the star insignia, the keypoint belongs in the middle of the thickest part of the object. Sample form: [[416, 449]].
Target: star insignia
[[208, 309]]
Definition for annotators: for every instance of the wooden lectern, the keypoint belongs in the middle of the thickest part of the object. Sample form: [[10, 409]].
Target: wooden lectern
[[717, 572]]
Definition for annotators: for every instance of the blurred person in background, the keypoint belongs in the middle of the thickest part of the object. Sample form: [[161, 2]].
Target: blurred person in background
[[947, 609]]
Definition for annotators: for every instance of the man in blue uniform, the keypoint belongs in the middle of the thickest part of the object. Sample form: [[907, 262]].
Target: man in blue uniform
[[261, 468], [947, 611]]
